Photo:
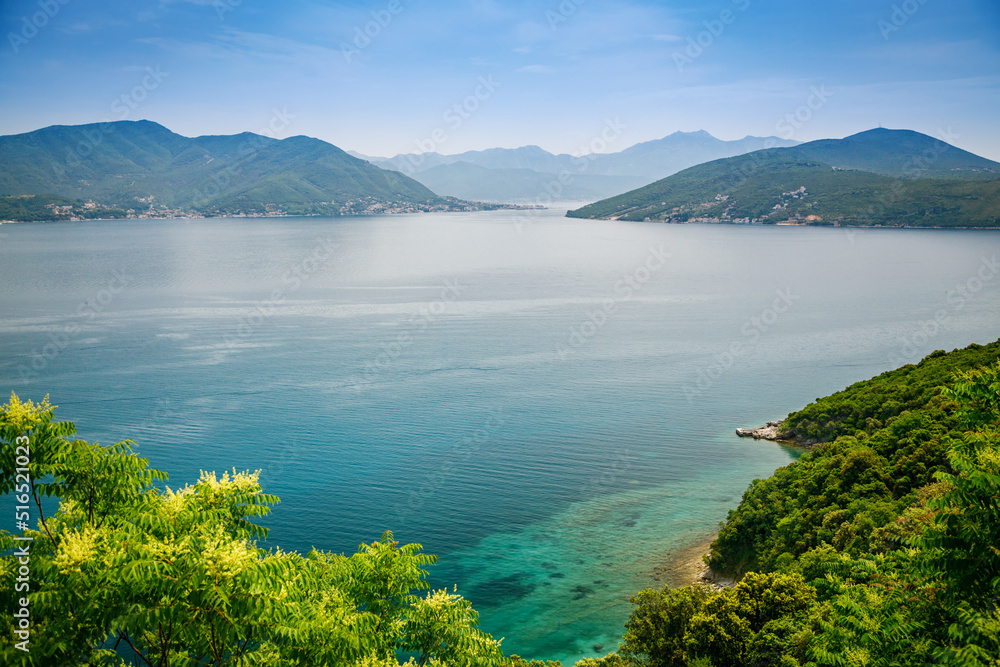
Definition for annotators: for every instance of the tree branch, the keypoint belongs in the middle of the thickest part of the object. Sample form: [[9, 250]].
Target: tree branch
[[41, 513], [134, 649]]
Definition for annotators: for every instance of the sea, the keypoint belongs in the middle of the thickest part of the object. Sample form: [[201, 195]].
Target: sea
[[547, 404]]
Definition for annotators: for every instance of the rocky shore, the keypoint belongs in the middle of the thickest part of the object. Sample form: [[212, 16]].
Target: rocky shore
[[769, 431], [772, 431], [687, 568]]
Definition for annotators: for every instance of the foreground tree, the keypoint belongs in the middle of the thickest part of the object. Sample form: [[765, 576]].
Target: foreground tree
[[758, 622], [127, 572], [963, 544]]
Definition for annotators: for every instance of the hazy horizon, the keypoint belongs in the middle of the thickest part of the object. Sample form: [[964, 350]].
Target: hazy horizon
[[623, 147]]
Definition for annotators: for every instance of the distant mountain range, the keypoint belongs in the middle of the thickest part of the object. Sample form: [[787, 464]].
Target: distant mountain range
[[531, 174], [144, 168], [879, 177]]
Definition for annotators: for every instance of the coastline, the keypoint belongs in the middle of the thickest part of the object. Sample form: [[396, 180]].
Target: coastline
[[773, 431], [191, 215], [686, 566], [778, 224]]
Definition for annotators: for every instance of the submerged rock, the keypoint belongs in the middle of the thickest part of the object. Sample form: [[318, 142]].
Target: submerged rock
[[503, 589]]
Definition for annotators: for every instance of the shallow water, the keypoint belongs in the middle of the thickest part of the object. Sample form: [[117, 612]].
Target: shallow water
[[548, 404]]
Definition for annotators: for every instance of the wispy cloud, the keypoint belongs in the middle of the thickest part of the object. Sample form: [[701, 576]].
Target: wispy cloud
[[231, 42], [537, 69], [77, 28]]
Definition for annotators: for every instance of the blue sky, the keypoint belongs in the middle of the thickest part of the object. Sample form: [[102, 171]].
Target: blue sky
[[385, 77]]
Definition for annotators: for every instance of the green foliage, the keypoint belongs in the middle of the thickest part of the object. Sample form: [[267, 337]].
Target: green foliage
[[962, 545], [518, 661], [125, 569], [656, 630], [877, 614], [610, 660], [759, 622], [867, 406]]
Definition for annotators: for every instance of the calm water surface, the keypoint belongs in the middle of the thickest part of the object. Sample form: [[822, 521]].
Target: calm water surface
[[547, 404]]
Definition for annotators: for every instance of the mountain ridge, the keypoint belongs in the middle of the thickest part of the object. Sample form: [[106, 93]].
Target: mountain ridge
[[142, 168], [510, 157], [878, 177], [594, 176]]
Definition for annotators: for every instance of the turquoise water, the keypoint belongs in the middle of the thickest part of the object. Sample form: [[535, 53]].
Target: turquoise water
[[547, 404]]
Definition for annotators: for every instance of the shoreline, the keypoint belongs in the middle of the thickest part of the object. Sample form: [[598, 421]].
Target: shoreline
[[498, 207], [513, 207], [772, 432], [685, 566], [778, 224]]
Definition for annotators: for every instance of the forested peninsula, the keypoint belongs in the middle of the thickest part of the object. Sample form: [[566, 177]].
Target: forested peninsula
[[877, 547]]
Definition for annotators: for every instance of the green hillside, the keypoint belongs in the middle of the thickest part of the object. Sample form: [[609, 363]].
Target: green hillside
[[879, 444], [902, 153], [300, 171], [955, 189], [145, 167]]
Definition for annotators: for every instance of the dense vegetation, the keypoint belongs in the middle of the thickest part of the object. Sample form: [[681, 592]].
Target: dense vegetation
[[879, 546], [145, 167], [863, 180], [887, 437]]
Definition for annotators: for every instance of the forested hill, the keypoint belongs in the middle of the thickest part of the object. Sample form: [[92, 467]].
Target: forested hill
[[880, 177], [881, 441], [900, 153], [144, 167]]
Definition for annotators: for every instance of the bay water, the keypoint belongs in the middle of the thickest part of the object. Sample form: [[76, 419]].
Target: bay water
[[547, 404]]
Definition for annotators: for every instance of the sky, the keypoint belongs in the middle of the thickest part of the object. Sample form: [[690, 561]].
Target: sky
[[397, 76]]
